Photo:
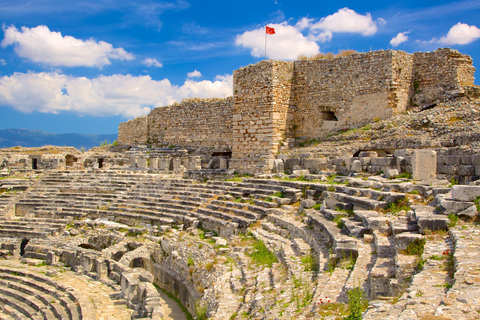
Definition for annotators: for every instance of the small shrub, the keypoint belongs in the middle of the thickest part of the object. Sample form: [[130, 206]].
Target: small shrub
[[310, 262], [201, 310], [209, 266], [415, 247], [453, 220], [279, 194], [338, 220], [477, 202], [357, 303]]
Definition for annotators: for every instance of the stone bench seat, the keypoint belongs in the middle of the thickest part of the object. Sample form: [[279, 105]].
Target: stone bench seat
[[27, 227], [252, 208], [373, 220], [427, 218], [357, 202], [242, 221], [44, 300], [235, 211], [156, 210], [342, 244], [82, 195], [65, 295], [9, 313], [13, 300], [14, 232], [375, 194]]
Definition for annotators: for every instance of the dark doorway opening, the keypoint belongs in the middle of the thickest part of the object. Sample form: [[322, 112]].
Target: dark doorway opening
[[137, 263], [70, 160], [23, 245], [34, 164], [329, 116], [100, 163]]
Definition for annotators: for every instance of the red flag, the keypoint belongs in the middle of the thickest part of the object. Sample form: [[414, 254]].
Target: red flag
[[270, 30]]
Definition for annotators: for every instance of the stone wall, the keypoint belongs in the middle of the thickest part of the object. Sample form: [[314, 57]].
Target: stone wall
[[437, 74], [191, 123], [133, 131], [276, 100], [262, 108], [194, 122], [343, 92]]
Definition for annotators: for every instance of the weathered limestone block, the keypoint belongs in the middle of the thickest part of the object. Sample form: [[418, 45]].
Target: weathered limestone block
[[390, 173], [452, 206], [278, 165], [314, 164], [142, 163], [424, 164], [368, 154], [164, 163], [465, 193], [357, 166], [223, 164], [133, 162]]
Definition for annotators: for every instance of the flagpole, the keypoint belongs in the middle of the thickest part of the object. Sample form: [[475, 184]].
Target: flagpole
[[265, 44]]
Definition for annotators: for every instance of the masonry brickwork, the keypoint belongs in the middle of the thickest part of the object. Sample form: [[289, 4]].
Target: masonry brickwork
[[275, 100]]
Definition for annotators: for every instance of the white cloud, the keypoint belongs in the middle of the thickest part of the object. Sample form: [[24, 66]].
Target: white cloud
[[461, 33], [3, 62], [287, 43], [149, 62], [194, 74], [125, 95], [347, 20], [39, 44], [401, 37]]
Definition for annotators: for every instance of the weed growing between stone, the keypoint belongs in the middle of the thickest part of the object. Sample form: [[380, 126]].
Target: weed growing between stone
[[453, 220], [201, 310], [415, 247], [357, 303], [310, 262], [261, 255]]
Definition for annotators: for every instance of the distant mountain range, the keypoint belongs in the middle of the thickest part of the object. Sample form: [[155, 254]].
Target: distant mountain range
[[36, 138]]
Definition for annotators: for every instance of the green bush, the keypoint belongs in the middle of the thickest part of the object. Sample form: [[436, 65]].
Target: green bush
[[453, 220], [357, 303]]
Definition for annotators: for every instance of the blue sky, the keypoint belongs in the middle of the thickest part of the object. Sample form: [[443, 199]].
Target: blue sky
[[85, 66]]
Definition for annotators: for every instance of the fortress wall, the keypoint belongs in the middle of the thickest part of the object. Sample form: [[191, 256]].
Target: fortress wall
[[338, 93], [401, 84], [436, 73], [133, 131], [194, 122], [262, 97]]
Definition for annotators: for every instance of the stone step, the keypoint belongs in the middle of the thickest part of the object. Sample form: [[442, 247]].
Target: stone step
[[427, 218], [333, 290], [342, 244], [373, 220], [57, 311], [15, 233], [23, 310], [365, 261], [357, 202], [234, 211], [354, 227], [241, 221]]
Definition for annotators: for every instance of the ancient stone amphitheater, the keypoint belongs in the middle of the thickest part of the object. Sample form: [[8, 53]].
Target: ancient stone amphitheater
[[378, 221]]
